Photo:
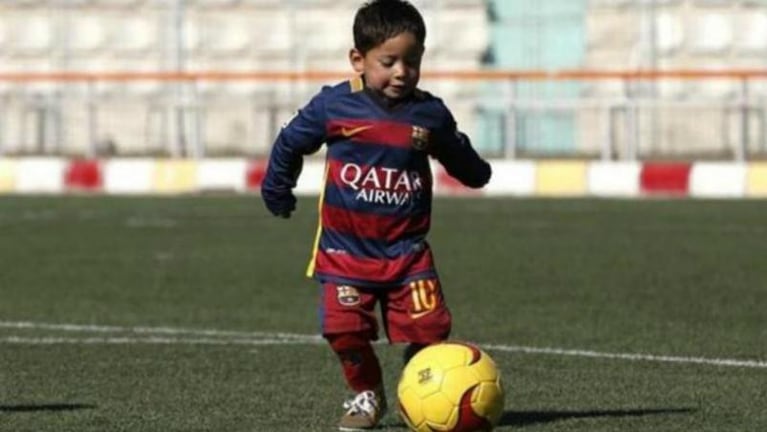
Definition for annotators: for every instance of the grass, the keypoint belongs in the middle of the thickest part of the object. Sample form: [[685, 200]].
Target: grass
[[675, 278]]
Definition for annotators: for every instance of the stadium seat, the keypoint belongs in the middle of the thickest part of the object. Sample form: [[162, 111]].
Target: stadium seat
[[135, 35], [271, 31], [611, 30], [463, 31], [143, 89], [325, 33], [235, 128], [710, 33], [613, 88], [673, 89], [3, 34], [451, 4], [191, 42], [78, 3], [23, 3], [670, 33], [119, 3], [713, 2], [32, 35], [260, 4], [717, 88], [99, 89], [225, 34], [7, 87], [212, 3], [37, 65], [751, 37], [86, 34], [242, 87], [611, 4]]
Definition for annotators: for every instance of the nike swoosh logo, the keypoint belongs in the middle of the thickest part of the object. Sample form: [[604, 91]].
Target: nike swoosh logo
[[420, 314], [354, 131]]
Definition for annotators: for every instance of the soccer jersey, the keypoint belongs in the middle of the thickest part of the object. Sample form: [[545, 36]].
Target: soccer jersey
[[375, 205]]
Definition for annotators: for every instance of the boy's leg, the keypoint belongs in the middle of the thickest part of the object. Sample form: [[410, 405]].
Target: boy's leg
[[360, 365], [349, 324], [416, 314]]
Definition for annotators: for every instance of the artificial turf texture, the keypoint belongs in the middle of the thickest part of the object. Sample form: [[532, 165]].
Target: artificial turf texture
[[678, 278]]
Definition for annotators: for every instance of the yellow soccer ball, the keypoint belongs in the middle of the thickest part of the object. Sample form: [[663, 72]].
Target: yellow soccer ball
[[450, 387]]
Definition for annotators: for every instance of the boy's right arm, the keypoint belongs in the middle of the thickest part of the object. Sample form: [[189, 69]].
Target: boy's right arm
[[302, 135]]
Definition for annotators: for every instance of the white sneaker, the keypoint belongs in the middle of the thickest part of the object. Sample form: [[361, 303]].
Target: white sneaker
[[363, 411]]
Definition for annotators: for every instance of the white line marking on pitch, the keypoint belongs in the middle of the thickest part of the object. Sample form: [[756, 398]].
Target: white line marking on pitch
[[223, 337], [628, 356], [151, 340], [28, 325]]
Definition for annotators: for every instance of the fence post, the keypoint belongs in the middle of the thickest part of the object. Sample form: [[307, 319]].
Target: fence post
[[632, 122], [510, 140], [92, 120], [2, 123], [742, 149], [607, 131]]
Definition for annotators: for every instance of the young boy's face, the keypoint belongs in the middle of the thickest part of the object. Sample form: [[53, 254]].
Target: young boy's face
[[392, 68]]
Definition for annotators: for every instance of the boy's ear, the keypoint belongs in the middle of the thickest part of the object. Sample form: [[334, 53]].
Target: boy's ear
[[357, 60]]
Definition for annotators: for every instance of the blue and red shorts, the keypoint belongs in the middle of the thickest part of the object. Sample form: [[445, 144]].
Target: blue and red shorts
[[415, 312]]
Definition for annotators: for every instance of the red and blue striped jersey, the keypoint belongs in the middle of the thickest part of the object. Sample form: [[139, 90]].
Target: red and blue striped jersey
[[375, 206]]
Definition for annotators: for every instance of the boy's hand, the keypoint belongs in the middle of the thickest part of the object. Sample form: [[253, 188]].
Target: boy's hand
[[281, 206]]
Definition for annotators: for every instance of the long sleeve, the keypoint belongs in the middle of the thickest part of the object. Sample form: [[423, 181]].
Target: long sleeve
[[452, 148], [304, 134]]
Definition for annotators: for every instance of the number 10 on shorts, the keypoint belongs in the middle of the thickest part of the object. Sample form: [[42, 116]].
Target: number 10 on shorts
[[425, 295]]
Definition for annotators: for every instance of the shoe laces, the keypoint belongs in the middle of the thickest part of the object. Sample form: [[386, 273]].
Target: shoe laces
[[364, 403]]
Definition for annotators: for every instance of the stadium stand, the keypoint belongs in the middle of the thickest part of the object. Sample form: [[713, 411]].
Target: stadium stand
[[544, 119]]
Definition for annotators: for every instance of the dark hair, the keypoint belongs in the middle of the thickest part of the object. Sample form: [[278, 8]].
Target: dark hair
[[379, 20]]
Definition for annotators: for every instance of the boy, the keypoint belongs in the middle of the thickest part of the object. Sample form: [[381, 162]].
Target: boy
[[376, 203]]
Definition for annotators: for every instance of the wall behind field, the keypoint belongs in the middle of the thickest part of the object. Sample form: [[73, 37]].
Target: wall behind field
[[511, 178]]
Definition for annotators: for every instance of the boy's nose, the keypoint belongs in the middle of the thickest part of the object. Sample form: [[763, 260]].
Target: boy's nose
[[399, 70]]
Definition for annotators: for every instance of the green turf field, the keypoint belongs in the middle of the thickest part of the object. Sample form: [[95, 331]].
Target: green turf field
[[192, 314]]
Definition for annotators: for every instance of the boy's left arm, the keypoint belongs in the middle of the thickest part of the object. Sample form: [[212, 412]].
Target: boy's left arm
[[452, 148]]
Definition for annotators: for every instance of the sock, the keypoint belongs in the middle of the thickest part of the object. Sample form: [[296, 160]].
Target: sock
[[358, 361]]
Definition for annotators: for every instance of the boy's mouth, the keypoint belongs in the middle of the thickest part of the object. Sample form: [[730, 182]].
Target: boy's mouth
[[398, 88]]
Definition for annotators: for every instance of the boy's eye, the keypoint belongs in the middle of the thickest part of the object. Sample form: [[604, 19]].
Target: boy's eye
[[387, 62]]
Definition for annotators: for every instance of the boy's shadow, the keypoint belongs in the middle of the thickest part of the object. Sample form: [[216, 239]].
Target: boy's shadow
[[525, 418], [50, 407]]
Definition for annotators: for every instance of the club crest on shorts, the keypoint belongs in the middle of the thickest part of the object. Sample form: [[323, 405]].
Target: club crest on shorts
[[420, 138], [348, 295]]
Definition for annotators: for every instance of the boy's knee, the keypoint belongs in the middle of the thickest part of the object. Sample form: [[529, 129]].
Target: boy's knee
[[348, 342]]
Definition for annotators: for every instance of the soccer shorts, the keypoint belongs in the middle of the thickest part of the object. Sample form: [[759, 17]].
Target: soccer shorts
[[415, 312]]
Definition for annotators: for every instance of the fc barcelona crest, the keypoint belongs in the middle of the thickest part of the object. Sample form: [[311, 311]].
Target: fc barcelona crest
[[420, 138], [347, 295]]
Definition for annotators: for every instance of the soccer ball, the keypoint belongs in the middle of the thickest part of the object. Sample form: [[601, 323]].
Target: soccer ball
[[450, 387]]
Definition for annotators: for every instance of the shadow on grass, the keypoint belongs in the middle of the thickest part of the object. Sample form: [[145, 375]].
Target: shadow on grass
[[22, 408], [524, 418]]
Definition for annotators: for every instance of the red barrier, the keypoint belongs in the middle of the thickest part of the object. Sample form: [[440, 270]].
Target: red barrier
[[659, 178], [255, 173], [447, 185], [84, 174]]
